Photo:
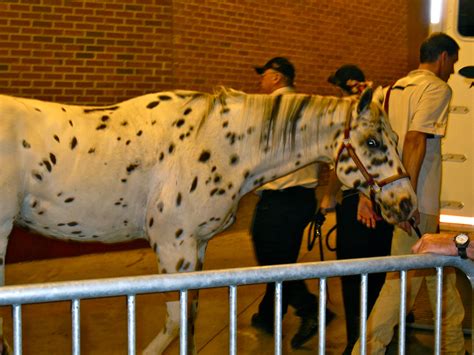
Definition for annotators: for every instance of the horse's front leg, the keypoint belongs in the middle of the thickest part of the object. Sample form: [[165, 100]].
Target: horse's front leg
[[185, 257]]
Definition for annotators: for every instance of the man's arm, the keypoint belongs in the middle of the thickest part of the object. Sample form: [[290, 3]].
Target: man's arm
[[442, 244], [328, 201], [414, 149]]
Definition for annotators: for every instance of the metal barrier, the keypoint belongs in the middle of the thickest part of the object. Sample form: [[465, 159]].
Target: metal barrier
[[131, 286]]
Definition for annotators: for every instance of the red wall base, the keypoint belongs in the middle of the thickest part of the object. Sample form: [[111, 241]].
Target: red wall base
[[27, 246]]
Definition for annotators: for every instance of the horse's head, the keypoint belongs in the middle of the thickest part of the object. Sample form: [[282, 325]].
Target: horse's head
[[367, 159]]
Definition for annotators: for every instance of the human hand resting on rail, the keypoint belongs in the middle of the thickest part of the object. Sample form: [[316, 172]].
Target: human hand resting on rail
[[365, 212], [440, 243]]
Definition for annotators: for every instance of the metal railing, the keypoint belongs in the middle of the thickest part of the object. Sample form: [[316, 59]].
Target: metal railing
[[231, 278]]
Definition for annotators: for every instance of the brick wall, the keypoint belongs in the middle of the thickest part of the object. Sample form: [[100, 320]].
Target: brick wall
[[101, 52]]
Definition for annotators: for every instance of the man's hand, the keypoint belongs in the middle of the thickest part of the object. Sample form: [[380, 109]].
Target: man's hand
[[365, 212], [442, 244]]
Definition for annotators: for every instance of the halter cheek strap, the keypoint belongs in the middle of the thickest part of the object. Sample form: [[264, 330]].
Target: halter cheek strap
[[374, 185]]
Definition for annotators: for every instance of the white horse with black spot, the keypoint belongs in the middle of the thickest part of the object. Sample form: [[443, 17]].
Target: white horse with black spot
[[171, 167]]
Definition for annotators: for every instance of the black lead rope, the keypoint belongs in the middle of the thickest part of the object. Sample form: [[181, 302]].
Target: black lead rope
[[315, 232], [415, 227]]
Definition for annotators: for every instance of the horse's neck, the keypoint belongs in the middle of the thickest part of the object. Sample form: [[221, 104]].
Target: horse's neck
[[288, 143]]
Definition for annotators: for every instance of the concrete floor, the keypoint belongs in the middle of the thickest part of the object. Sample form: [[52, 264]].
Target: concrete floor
[[47, 329]]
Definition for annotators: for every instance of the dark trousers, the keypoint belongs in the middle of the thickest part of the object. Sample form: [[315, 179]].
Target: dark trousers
[[277, 230], [354, 240]]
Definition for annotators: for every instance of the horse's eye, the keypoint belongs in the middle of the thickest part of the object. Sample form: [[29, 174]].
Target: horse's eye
[[373, 143]]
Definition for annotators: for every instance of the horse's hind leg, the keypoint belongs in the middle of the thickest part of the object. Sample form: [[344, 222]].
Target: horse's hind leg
[[193, 253]]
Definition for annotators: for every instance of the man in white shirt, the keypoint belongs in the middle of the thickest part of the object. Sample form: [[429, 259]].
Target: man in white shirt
[[418, 112], [285, 207]]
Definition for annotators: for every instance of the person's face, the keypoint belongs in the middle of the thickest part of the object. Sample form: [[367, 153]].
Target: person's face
[[269, 81], [447, 65]]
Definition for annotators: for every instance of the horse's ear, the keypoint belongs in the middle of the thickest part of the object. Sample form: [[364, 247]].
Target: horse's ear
[[365, 100]]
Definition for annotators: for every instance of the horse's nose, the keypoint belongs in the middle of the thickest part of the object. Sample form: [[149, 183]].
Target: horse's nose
[[406, 207]]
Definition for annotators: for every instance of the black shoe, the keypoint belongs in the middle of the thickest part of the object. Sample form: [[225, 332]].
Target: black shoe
[[308, 329], [259, 322]]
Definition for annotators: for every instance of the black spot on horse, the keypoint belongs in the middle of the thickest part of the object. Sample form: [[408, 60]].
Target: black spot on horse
[[178, 199], [124, 180], [26, 145], [350, 170], [194, 184], [73, 143], [91, 151], [152, 104], [217, 179], [182, 136], [56, 138], [205, 155], [69, 200], [37, 109], [131, 167], [164, 97], [162, 155], [179, 264], [171, 148], [202, 224], [52, 157], [127, 142], [180, 122], [234, 159], [98, 109], [187, 111], [246, 174], [139, 133], [378, 162], [178, 233], [37, 176], [150, 223], [213, 191], [221, 192], [101, 126], [47, 164], [160, 206], [124, 123], [105, 118], [214, 168], [72, 224], [71, 124], [225, 124], [356, 184]]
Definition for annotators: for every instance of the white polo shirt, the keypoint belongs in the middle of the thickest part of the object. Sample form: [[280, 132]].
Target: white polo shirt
[[306, 177], [419, 102]]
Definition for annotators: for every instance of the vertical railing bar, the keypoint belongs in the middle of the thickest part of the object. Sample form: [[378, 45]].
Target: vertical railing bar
[[363, 314], [131, 324], [76, 326], [17, 336], [183, 333], [439, 304], [233, 320], [403, 307], [278, 317], [322, 316]]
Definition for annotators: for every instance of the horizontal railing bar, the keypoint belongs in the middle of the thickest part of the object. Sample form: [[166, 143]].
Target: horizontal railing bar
[[123, 286]]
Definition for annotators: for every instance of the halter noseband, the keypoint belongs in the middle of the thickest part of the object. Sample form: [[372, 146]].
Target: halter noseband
[[374, 185]]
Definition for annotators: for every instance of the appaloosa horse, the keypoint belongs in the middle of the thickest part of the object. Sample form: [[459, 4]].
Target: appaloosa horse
[[171, 167]]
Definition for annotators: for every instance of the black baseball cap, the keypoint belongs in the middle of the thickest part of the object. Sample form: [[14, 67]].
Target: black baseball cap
[[345, 73], [281, 65]]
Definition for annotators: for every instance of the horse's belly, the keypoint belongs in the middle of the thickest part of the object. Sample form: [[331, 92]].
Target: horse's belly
[[85, 217]]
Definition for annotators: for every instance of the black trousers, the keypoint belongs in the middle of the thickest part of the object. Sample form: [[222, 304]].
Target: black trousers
[[277, 230], [354, 240]]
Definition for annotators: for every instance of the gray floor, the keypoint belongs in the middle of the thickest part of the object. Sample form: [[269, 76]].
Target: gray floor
[[46, 327]]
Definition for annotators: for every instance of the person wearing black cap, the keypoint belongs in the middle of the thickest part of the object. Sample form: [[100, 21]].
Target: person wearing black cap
[[285, 207], [360, 232]]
